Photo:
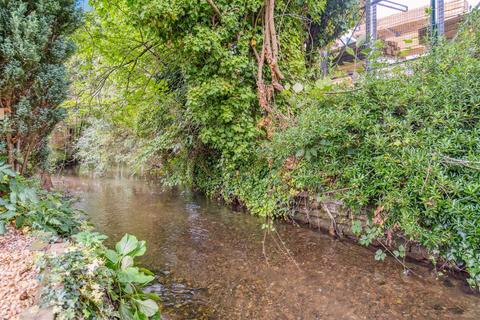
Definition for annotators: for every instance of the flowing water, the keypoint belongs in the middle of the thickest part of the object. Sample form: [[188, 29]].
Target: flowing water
[[211, 263]]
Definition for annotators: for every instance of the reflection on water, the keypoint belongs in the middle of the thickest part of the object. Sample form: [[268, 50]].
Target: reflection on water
[[211, 265]]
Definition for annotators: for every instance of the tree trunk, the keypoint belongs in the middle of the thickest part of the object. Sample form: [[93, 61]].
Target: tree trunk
[[10, 151], [46, 180]]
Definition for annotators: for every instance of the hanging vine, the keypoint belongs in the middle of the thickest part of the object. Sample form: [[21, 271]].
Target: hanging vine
[[269, 54]]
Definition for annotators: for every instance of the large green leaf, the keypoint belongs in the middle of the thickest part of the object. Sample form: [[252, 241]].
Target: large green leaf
[[112, 256], [126, 312], [7, 215], [147, 307], [127, 244], [133, 275], [140, 250], [127, 262]]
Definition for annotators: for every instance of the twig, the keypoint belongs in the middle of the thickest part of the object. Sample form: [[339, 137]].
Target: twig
[[334, 223], [460, 162], [286, 250], [263, 247], [391, 253], [215, 8]]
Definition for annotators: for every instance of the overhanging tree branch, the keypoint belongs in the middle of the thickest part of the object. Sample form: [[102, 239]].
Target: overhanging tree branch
[[215, 8]]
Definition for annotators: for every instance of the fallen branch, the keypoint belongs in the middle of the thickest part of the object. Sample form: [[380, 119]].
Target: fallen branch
[[460, 162]]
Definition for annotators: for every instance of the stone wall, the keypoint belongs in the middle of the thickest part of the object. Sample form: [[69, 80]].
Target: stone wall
[[317, 215]]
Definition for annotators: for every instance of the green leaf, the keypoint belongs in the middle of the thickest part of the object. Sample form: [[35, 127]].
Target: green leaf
[[152, 296], [133, 275], [139, 250], [380, 255], [300, 153], [147, 307], [127, 244], [297, 87], [126, 312], [357, 227], [129, 288], [127, 262], [3, 229], [19, 221], [350, 51], [146, 271], [401, 251], [112, 256], [7, 215], [13, 197]]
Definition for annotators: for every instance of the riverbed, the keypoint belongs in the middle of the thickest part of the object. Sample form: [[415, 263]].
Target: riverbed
[[215, 263]]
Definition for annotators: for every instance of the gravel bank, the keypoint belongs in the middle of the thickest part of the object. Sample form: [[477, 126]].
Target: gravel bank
[[18, 275]]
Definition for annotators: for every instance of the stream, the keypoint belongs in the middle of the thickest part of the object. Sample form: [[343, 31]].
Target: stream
[[211, 263]]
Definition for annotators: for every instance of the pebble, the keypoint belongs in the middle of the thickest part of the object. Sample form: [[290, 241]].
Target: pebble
[[18, 275]]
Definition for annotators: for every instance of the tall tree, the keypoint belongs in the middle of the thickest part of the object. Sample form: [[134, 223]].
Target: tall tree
[[34, 45]]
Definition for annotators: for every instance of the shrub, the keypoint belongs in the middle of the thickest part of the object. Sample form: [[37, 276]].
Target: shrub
[[26, 205], [403, 146], [90, 281]]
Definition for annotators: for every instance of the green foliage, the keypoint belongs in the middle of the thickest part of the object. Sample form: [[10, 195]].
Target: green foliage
[[356, 227], [23, 203], [380, 255], [181, 83], [34, 46], [400, 252], [98, 283], [88, 281], [404, 146]]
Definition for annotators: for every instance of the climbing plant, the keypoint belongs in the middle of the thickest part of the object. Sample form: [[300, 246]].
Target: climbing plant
[[200, 81]]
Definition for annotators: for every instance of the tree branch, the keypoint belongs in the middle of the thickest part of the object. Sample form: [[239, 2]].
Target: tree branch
[[215, 8]]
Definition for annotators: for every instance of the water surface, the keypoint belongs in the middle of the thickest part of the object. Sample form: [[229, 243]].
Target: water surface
[[211, 263]]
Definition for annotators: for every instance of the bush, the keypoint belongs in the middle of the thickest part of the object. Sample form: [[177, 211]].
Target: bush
[[23, 203], [403, 146], [90, 281]]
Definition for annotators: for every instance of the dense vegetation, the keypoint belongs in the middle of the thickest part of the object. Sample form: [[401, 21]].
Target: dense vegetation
[[401, 146], [34, 46], [225, 96], [186, 86], [88, 280]]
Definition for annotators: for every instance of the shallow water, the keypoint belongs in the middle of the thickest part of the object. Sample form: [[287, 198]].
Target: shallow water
[[211, 263]]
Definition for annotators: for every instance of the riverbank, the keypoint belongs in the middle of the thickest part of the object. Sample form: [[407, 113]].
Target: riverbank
[[80, 277], [18, 274]]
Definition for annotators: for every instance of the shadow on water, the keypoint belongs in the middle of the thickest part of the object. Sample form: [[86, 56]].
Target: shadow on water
[[210, 263]]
